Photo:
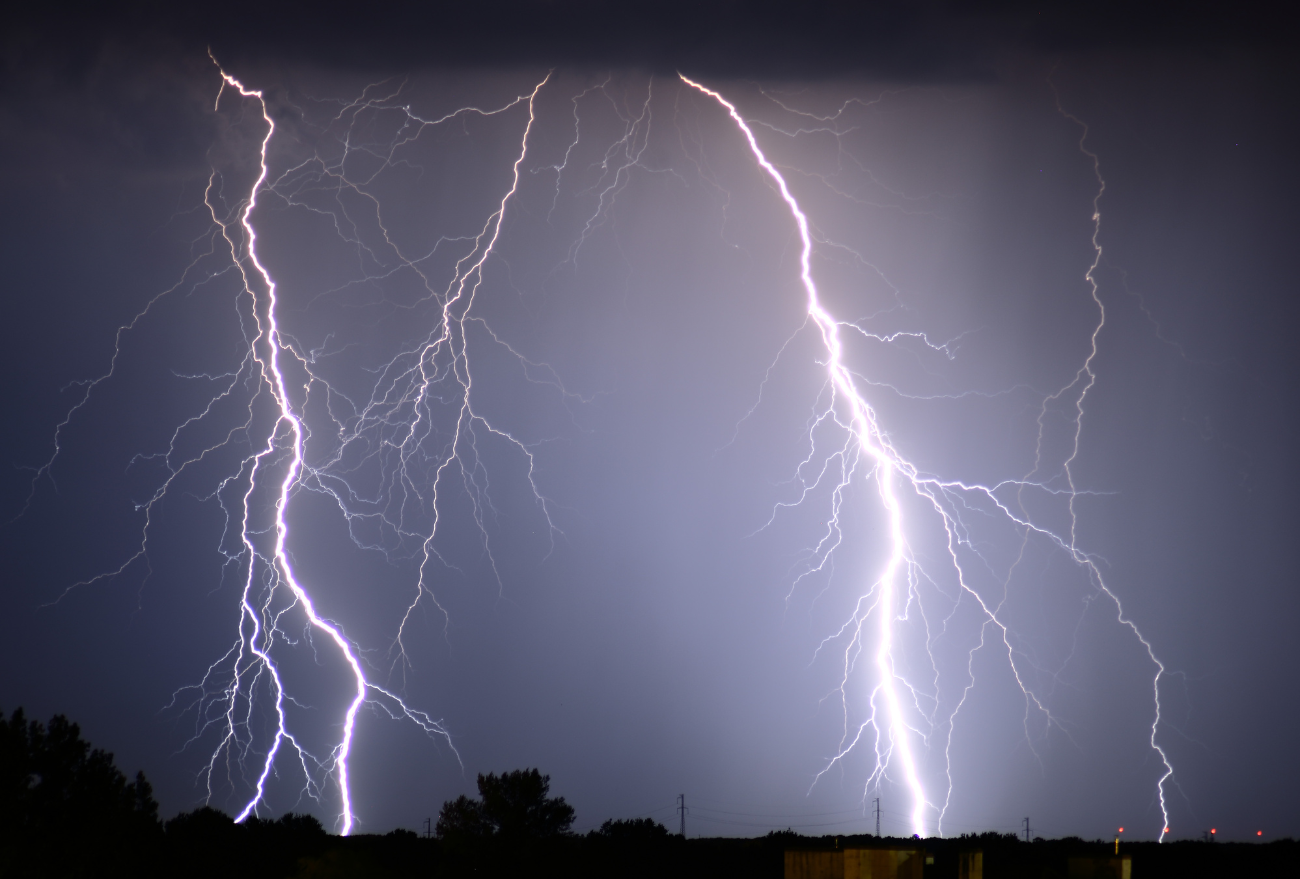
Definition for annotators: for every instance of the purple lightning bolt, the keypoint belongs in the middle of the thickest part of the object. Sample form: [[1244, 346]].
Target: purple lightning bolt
[[896, 734]]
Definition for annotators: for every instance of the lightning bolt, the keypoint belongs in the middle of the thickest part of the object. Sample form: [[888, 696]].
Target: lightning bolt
[[418, 455], [897, 710], [267, 349], [442, 357]]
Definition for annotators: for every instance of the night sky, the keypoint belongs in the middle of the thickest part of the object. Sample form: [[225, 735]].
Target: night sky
[[630, 585]]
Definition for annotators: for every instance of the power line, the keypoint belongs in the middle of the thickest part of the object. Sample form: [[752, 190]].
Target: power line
[[781, 814], [788, 826]]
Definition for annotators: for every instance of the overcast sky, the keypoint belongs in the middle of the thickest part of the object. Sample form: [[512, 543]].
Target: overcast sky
[[620, 590]]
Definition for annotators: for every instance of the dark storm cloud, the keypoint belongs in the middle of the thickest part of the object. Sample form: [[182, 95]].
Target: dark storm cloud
[[914, 40]]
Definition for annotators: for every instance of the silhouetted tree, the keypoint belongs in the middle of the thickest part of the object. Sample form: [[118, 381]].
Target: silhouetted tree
[[637, 848], [205, 843], [513, 805], [204, 826], [65, 809], [208, 843], [462, 819], [291, 828], [784, 836], [634, 830]]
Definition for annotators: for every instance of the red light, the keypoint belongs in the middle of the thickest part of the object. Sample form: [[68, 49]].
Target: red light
[[1121, 830], [1259, 833], [1166, 830], [1211, 829]]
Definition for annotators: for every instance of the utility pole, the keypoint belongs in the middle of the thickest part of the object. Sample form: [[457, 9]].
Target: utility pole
[[1026, 828], [877, 817], [428, 827], [681, 809]]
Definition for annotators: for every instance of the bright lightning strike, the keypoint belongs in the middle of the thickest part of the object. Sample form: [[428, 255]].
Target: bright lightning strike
[[442, 356], [897, 714], [267, 350], [387, 458], [403, 431]]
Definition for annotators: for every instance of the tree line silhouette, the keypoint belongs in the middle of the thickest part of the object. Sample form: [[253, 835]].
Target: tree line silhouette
[[67, 811], [56, 788]]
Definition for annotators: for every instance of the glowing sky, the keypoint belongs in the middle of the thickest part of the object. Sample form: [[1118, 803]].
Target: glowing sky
[[532, 350]]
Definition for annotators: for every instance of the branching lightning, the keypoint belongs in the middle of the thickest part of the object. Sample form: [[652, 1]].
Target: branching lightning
[[388, 459], [407, 384], [402, 429], [899, 722]]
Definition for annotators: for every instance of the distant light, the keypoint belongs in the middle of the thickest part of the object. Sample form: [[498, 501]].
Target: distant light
[[1211, 829], [1166, 830], [1259, 833], [1121, 830]]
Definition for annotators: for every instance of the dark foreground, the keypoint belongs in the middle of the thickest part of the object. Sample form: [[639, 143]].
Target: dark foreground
[[1005, 857], [212, 846]]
